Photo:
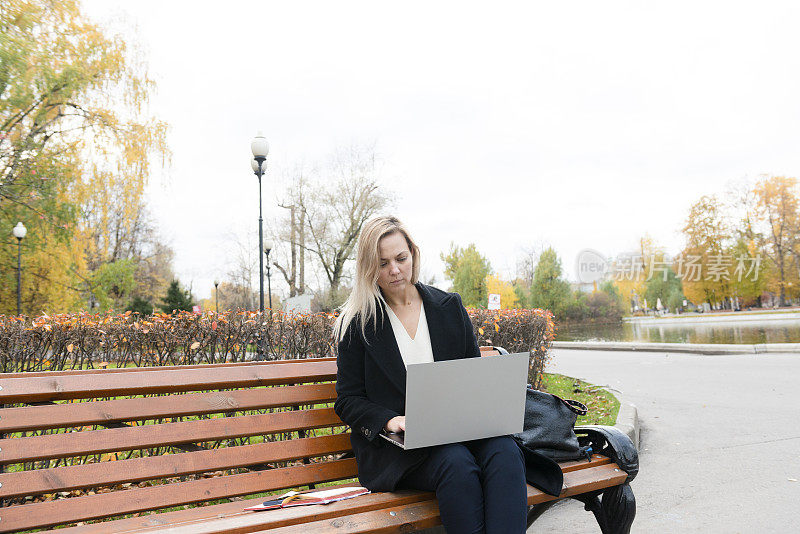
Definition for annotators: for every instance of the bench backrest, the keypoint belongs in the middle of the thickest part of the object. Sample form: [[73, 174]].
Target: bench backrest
[[81, 445]]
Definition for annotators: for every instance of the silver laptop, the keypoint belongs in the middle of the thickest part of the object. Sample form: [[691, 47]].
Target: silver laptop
[[462, 400]]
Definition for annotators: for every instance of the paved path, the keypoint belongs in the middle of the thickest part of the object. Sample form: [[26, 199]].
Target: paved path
[[720, 440]]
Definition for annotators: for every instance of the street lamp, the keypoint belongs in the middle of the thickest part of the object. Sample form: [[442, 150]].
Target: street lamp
[[19, 232], [216, 295], [260, 149], [267, 249]]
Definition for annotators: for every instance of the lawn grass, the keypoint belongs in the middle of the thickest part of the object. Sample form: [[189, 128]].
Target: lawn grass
[[603, 406]]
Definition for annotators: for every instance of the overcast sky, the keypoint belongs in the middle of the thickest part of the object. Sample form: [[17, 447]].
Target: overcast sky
[[510, 125]]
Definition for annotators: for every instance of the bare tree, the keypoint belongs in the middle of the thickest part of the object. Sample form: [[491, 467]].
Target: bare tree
[[234, 297], [527, 260], [295, 234], [526, 265], [239, 291], [154, 272], [335, 214], [120, 227]]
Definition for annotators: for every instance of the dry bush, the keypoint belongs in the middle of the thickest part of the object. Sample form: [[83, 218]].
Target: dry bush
[[517, 330], [82, 340]]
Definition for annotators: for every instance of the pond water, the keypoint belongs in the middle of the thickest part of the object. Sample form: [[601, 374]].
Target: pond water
[[745, 332]]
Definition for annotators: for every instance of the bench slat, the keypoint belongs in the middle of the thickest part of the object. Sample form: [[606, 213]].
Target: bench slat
[[68, 444], [68, 372], [57, 479], [423, 514], [78, 386], [230, 517], [426, 514], [163, 496], [597, 459], [582, 481], [112, 411]]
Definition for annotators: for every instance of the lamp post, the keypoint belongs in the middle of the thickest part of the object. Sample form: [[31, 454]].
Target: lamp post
[[267, 249], [216, 295], [260, 149], [19, 232]]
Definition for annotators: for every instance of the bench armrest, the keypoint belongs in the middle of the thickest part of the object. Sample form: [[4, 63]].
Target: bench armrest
[[612, 442]]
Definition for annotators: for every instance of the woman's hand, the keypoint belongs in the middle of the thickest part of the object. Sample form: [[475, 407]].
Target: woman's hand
[[396, 424]]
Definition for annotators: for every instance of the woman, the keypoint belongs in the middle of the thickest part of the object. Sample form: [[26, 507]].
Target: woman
[[389, 321]]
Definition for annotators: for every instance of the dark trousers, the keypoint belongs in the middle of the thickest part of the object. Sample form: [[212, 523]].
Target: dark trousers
[[480, 486]]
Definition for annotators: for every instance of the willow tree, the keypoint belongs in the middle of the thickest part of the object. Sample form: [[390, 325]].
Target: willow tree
[[76, 146]]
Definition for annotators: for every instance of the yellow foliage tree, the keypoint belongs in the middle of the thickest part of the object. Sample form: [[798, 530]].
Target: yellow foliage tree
[[705, 265], [508, 297], [778, 232], [631, 271], [75, 151]]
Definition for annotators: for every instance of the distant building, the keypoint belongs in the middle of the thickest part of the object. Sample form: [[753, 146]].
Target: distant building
[[298, 304], [586, 288]]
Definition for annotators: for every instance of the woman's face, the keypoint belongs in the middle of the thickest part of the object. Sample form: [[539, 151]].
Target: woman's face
[[396, 263]]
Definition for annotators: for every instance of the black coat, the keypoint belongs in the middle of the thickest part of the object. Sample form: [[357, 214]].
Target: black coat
[[371, 382], [371, 389]]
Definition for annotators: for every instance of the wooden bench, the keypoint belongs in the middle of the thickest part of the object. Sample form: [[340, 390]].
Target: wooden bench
[[78, 446]]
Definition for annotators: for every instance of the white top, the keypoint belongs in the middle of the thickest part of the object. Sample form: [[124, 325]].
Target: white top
[[417, 350]]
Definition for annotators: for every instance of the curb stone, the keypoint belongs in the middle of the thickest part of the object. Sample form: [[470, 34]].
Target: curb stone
[[696, 348], [627, 419]]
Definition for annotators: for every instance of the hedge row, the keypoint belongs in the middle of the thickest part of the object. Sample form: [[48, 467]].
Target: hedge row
[[77, 341]]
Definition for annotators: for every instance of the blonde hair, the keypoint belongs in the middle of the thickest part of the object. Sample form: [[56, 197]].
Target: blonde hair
[[362, 304]]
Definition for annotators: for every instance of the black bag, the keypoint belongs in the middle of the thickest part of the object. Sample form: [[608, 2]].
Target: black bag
[[549, 426]]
